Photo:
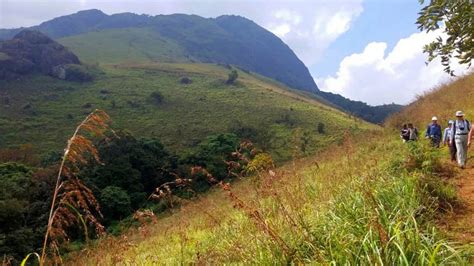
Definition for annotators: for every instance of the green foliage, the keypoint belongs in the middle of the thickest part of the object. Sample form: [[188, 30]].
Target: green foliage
[[22, 210], [115, 203], [212, 154], [232, 77], [457, 19], [156, 97], [137, 166], [261, 162]]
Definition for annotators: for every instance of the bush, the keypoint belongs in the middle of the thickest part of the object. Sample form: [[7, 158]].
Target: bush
[[156, 97], [261, 162], [233, 75], [185, 80]]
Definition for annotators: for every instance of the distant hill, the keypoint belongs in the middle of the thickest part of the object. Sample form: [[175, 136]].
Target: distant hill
[[111, 39], [374, 114], [34, 52]]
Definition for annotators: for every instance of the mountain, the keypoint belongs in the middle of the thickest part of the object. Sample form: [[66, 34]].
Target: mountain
[[226, 39], [126, 37], [32, 51]]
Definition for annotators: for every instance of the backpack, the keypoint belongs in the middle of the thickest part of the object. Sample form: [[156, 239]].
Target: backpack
[[466, 122], [413, 133]]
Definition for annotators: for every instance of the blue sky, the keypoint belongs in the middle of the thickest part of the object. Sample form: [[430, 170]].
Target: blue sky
[[381, 21], [368, 50]]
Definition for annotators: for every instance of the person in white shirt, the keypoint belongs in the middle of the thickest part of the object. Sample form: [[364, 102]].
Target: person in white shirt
[[446, 137], [460, 137]]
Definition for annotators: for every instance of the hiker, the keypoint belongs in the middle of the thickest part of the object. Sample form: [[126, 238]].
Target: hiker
[[446, 137], [433, 132], [412, 132], [461, 131], [405, 133]]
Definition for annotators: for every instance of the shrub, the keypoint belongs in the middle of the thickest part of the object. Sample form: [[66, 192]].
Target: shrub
[[156, 97], [185, 80], [233, 75], [261, 162]]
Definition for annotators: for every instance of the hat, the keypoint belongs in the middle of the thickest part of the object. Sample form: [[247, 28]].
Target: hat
[[459, 113], [434, 118], [450, 122]]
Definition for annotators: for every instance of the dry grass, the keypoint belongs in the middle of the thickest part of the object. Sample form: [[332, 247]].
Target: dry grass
[[442, 102], [73, 203]]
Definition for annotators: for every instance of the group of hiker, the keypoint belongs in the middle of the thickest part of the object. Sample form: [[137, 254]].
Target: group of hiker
[[457, 136]]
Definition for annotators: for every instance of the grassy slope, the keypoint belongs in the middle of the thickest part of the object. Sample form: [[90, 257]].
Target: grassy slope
[[442, 102], [369, 201], [358, 204], [43, 111], [124, 45]]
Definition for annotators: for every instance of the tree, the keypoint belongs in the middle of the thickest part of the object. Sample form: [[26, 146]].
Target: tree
[[457, 19], [233, 75], [115, 203]]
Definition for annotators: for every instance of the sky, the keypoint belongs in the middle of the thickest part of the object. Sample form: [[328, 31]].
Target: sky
[[367, 50]]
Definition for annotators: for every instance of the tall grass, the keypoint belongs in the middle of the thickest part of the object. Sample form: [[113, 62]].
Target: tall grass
[[73, 203], [371, 202]]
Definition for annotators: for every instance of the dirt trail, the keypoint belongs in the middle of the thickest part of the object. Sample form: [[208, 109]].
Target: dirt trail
[[461, 225]]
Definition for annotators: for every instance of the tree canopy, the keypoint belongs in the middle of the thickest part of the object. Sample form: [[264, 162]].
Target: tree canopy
[[456, 18]]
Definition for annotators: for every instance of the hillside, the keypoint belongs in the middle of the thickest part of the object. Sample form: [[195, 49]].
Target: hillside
[[373, 200], [442, 102], [98, 38], [265, 111]]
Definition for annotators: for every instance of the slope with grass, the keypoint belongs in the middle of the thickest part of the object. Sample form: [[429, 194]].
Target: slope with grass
[[40, 110], [444, 102], [365, 202], [371, 200]]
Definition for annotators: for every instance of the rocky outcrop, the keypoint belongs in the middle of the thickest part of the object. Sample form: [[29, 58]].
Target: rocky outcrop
[[34, 52]]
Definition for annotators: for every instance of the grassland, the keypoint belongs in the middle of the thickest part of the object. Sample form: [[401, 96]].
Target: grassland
[[124, 45], [371, 200], [365, 202], [42, 111]]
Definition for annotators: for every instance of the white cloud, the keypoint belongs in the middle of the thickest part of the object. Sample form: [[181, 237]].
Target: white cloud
[[288, 15], [280, 30], [377, 76], [309, 28]]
